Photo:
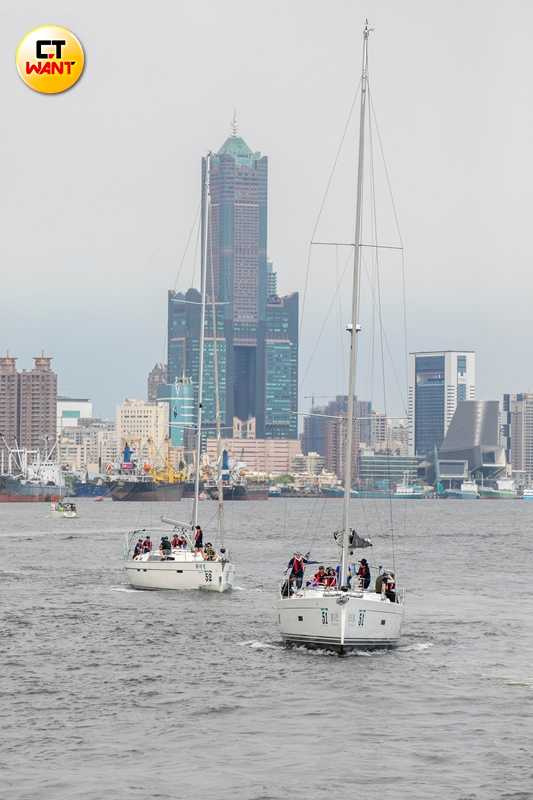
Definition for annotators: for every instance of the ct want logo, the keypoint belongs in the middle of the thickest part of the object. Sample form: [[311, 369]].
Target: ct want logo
[[50, 59]]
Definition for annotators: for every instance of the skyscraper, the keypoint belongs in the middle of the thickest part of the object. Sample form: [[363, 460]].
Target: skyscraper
[[257, 330], [518, 433], [438, 380]]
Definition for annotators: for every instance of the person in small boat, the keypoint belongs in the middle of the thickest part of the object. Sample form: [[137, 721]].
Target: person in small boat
[[331, 578], [296, 568], [209, 552], [319, 577], [198, 538], [390, 587], [165, 547], [147, 544], [363, 573], [138, 548]]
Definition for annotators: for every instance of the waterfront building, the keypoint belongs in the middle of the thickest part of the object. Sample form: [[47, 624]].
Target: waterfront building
[[9, 408], [310, 464], [156, 377], [518, 434], [472, 446], [438, 381], [70, 410], [28, 407], [383, 470], [257, 330], [88, 447], [324, 432], [267, 456], [144, 427]]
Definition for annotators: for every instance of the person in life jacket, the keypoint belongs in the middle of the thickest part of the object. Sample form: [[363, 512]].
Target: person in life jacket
[[147, 544], [331, 578], [138, 548], [363, 573], [296, 568], [319, 577], [175, 541]]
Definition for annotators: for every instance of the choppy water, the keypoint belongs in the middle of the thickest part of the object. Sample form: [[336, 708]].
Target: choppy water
[[109, 693]]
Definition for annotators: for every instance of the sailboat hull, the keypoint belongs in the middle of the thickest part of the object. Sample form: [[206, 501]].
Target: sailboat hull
[[210, 576], [340, 621]]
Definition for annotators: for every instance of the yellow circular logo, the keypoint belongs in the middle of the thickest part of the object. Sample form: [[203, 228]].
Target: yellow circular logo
[[50, 59]]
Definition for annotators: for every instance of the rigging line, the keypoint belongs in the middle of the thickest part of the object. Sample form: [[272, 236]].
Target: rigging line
[[323, 203], [380, 318], [399, 384], [324, 322], [195, 255], [187, 243], [398, 231]]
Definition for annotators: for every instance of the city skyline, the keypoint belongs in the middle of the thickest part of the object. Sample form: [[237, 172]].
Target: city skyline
[[100, 264]]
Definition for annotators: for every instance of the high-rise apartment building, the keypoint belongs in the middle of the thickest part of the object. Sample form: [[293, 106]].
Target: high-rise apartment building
[[438, 381], [9, 407], [28, 406], [518, 433], [257, 330]]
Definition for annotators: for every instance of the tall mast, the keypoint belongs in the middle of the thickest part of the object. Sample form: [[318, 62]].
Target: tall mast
[[220, 488], [352, 329], [205, 204]]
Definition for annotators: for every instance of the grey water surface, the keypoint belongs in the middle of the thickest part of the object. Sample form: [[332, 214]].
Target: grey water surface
[[108, 693]]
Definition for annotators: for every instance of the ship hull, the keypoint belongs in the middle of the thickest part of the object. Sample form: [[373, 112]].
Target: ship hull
[[147, 492], [239, 492], [13, 491], [342, 623]]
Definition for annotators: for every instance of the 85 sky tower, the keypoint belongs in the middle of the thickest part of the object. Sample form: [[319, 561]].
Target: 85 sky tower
[[257, 337]]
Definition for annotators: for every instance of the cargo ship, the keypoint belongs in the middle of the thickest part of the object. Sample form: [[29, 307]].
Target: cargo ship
[[37, 481], [146, 490], [145, 485], [20, 490]]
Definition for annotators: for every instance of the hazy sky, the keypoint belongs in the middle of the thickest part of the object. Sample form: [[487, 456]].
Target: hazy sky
[[100, 185]]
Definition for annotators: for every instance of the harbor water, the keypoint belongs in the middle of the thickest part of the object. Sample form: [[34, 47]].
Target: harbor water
[[108, 693]]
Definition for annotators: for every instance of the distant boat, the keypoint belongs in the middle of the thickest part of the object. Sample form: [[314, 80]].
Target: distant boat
[[274, 491], [505, 489], [408, 491], [527, 494], [468, 491]]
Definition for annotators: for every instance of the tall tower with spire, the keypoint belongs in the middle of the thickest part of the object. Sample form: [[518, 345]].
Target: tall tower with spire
[[258, 351]]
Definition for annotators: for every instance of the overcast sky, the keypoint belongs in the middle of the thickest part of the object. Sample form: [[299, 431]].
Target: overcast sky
[[100, 185]]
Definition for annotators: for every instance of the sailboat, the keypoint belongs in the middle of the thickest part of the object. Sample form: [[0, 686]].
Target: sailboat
[[339, 612], [179, 563]]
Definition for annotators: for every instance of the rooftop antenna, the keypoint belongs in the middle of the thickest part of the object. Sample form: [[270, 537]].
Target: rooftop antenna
[[234, 123]]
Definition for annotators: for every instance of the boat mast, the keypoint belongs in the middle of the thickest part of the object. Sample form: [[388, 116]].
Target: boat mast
[[352, 329], [220, 488], [205, 204]]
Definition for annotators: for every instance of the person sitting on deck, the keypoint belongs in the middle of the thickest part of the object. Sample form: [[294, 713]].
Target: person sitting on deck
[[138, 548], [296, 568], [209, 552], [381, 582], [147, 544], [165, 547], [319, 577], [175, 541]]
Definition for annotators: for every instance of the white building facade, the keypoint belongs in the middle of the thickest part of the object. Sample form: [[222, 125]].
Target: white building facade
[[70, 410], [438, 381], [144, 427]]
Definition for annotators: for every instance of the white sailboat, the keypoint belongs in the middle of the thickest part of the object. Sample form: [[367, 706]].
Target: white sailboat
[[345, 616], [184, 565]]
